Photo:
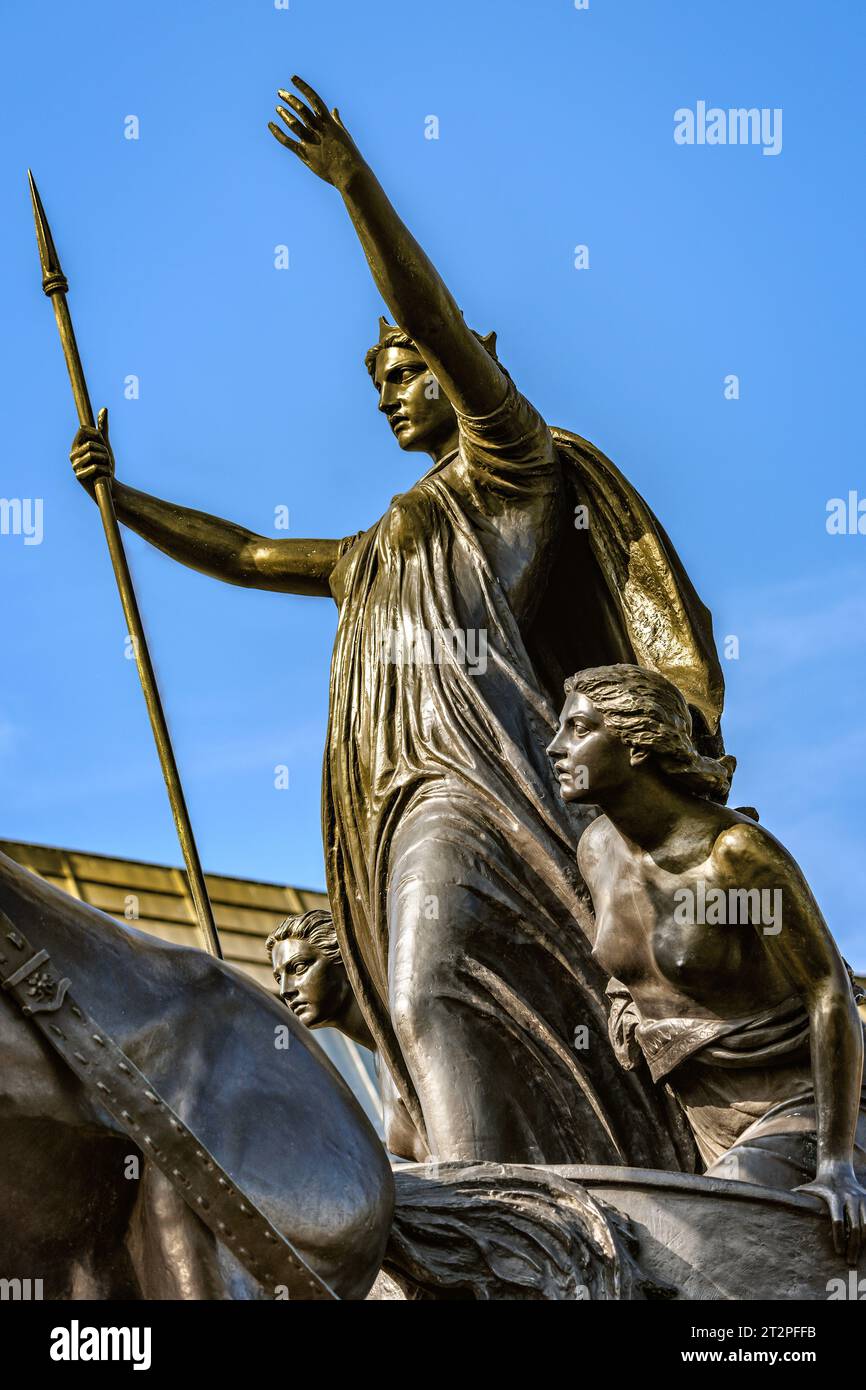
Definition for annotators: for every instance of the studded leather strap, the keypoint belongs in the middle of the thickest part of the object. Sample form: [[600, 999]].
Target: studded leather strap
[[28, 976]]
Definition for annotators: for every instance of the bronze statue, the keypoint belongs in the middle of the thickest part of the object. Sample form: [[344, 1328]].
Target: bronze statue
[[460, 914], [461, 944], [314, 983], [311, 977], [88, 1203], [725, 976]]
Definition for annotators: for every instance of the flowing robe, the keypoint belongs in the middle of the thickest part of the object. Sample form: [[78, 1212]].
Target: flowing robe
[[450, 854]]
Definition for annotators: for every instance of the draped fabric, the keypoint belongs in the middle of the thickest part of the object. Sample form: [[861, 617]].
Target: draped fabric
[[745, 1085], [436, 758], [654, 609], [781, 1031]]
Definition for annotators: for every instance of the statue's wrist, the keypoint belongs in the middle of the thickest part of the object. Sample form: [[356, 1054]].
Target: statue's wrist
[[350, 176], [834, 1167]]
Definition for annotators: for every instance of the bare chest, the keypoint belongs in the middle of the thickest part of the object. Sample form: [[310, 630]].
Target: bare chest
[[678, 939]]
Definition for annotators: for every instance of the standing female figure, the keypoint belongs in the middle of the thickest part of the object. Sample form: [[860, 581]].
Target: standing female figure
[[458, 907]]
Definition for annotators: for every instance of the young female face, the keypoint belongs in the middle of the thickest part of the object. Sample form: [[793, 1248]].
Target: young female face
[[419, 413], [587, 758], [312, 986]]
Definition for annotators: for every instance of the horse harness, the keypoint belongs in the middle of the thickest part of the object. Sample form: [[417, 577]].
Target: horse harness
[[115, 1083]]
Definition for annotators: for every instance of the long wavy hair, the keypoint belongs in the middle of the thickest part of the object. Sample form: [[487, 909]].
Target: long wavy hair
[[646, 711]]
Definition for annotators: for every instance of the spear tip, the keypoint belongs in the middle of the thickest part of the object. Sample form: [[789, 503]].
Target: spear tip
[[53, 279]]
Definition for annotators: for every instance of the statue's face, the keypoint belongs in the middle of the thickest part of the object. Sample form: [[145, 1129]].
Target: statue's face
[[312, 986], [419, 413], [588, 760]]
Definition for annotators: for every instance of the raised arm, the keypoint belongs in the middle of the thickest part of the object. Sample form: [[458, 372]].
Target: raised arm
[[801, 946], [409, 283], [207, 543]]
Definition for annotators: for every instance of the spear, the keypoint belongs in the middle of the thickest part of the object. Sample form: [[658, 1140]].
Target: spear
[[55, 285]]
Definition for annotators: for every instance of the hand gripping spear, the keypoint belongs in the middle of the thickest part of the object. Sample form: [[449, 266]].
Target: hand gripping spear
[[55, 285]]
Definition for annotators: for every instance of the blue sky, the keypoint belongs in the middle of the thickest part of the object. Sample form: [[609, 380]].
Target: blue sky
[[555, 129]]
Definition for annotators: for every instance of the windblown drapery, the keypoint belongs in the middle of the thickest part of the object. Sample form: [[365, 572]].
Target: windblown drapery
[[436, 769]]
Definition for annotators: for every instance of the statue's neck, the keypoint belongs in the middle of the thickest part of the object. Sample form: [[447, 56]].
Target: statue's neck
[[648, 816], [448, 446], [354, 1025]]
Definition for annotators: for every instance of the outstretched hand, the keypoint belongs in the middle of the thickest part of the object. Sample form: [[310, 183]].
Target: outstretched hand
[[322, 143]]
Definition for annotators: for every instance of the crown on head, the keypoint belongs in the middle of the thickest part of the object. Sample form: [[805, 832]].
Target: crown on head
[[392, 335]]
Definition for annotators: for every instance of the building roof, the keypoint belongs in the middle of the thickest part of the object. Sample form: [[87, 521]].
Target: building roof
[[156, 899]]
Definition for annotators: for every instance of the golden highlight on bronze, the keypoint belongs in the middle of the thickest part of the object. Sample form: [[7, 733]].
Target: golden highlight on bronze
[[603, 1042]]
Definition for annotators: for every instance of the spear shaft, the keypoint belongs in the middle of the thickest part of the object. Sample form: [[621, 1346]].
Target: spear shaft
[[55, 285]]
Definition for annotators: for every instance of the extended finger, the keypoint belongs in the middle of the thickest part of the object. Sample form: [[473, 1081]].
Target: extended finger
[[837, 1221], [295, 126], [102, 423], [855, 1218], [284, 140], [307, 116], [312, 96]]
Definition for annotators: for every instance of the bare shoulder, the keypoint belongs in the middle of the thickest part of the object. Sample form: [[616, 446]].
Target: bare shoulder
[[746, 848], [593, 846]]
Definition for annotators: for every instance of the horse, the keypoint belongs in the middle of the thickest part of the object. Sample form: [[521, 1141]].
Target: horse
[[82, 1207]]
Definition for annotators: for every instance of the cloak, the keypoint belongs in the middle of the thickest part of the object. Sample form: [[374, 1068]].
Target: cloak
[[633, 600]]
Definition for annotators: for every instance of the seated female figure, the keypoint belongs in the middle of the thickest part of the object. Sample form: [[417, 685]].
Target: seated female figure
[[725, 976]]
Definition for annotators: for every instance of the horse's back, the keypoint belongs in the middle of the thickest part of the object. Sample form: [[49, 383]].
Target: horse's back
[[240, 1070]]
